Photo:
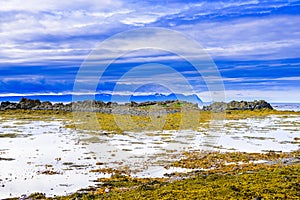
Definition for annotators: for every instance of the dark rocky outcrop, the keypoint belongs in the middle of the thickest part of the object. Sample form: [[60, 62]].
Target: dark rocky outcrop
[[46, 105], [132, 108], [28, 104], [8, 106], [238, 105]]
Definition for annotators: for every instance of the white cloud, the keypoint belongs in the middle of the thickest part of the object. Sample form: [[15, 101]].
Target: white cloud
[[35, 21], [50, 5], [140, 20], [289, 95], [36, 34], [248, 37], [23, 79], [294, 78]]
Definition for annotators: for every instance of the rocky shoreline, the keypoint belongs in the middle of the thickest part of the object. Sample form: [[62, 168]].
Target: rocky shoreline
[[239, 105], [132, 108]]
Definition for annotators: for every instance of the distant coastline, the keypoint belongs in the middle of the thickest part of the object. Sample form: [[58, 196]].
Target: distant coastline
[[105, 97], [286, 106]]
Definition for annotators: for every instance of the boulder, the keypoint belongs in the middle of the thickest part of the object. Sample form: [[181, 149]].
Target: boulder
[[58, 106], [28, 103], [216, 107], [46, 105], [8, 106], [238, 105]]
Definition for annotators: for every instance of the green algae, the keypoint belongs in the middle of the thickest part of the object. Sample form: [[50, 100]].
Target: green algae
[[234, 181], [117, 123], [245, 180], [9, 135], [34, 115], [219, 160], [274, 182]]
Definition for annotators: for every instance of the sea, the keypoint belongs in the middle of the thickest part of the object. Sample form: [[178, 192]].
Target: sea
[[286, 106]]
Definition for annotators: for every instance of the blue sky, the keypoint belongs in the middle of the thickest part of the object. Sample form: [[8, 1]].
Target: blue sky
[[255, 44]]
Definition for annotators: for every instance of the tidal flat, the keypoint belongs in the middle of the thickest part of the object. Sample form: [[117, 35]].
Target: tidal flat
[[180, 155]]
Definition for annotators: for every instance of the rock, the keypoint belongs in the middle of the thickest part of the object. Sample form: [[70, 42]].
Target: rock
[[262, 105], [8, 106], [47, 105], [238, 105], [133, 108], [5, 104], [217, 107], [28, 103], [133, 104], [58, 106], [147, 103]]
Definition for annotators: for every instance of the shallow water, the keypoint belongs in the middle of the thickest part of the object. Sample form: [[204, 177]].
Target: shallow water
[[31, 150], [286, 106], [41, 150]]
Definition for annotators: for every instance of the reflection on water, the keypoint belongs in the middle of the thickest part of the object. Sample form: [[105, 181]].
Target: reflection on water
[[38, 156]]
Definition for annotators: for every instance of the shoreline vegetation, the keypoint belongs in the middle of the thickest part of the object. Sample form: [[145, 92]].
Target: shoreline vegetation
[[212, 175]]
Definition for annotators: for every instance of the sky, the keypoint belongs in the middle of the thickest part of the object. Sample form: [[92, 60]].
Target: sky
[[254, 45]]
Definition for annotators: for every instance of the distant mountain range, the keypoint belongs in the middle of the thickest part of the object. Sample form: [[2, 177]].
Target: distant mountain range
[[107, 98]]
